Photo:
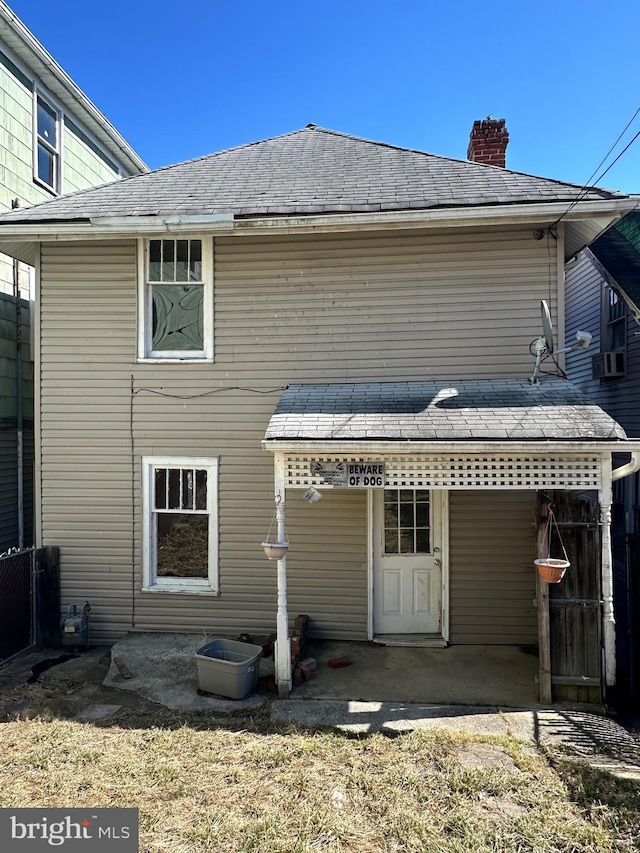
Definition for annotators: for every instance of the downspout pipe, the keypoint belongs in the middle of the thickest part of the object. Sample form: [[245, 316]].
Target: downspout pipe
[[19, 404], [608, 617], [627, 469]]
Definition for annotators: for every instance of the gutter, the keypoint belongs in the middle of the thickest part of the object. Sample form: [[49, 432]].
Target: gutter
[[110, 227], [437, 447]]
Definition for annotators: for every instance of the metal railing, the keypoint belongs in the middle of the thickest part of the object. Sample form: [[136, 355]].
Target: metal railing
[[17, 602]]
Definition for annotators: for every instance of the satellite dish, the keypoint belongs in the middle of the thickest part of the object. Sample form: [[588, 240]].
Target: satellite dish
[[543, 346], [547, 326]]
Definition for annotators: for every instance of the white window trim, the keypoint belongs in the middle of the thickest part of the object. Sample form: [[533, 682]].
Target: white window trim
[[51, 103], [150, 582], [145, 310], [609, 324]]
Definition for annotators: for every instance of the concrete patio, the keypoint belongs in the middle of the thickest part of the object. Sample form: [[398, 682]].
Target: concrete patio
[[478, 690], [163, 669]]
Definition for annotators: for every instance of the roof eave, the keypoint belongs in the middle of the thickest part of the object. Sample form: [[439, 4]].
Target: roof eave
[[498, 446], [30, 52], [603, 212]]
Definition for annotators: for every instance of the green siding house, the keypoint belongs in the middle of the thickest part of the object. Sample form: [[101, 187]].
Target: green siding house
[[53, 140]]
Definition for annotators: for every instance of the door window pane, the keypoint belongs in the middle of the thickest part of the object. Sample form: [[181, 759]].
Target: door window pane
[[407, 515], [391, 541], [423, 541], [407, 545], [407, 521]]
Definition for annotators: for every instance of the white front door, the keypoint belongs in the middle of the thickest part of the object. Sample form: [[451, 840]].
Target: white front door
[[407, 567]]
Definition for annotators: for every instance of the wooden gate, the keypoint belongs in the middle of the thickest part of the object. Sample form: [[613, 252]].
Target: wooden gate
[[574, 606]]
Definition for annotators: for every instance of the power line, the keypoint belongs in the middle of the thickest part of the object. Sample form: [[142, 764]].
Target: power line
[[618, 157], [588, 185], [604, 159]]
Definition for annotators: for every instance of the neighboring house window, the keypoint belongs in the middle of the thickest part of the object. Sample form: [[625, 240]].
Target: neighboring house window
[[176, 298], [180, 524], [616, 321], [47, 145]]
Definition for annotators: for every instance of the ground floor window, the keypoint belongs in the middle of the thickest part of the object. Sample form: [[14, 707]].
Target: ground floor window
[[180, 524]]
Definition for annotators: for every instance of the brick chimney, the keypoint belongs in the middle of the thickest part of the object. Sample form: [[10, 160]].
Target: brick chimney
[[488, 142]]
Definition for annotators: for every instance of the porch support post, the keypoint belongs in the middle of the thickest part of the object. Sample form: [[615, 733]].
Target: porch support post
[[605, 498], [544, 627], [283, 643]]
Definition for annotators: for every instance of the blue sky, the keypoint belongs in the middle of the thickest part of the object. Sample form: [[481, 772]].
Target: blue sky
[[183, 79]]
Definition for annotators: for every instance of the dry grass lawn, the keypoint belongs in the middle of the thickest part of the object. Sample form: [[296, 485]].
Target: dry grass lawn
[[239, 784]]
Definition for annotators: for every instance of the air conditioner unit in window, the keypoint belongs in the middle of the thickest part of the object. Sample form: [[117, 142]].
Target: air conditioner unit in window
[[607, 364]]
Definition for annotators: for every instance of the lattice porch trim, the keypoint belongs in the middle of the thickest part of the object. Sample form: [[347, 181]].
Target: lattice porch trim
[[457, 471]]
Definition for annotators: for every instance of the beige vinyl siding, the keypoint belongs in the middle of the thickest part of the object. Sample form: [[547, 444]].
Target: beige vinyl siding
[[380, 307], [492, 575], [328, 578], [87, 345], [316, 308]]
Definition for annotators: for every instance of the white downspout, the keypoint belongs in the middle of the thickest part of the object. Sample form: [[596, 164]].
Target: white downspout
[[283, 643], [628, 468]]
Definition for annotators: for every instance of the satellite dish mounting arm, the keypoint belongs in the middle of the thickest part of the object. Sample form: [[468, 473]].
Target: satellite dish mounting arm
[[544, 344]]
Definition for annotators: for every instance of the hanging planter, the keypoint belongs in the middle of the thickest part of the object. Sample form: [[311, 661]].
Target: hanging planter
[[550, 569], [275, 550]]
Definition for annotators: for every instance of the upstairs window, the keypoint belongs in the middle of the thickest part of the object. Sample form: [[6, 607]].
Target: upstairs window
[[47, 148], [176, 298]]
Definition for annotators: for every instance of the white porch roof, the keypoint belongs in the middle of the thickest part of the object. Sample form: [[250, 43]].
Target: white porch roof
[[479, 434]]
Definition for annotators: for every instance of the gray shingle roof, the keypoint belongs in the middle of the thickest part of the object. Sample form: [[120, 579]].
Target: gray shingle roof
[[308, 171], [492, 409]]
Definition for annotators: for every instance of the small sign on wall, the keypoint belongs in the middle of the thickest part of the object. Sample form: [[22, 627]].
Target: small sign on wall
[[354, 475], [332, 473], [365, 475]]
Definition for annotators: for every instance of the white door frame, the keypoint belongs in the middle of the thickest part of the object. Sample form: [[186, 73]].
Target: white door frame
[[437, 494]]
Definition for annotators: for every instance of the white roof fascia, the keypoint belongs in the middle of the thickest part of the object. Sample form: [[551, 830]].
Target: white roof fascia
[[46, 70], [108, 227], [436, 448], [504, 214]]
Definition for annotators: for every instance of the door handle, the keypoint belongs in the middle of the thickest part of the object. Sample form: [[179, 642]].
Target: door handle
[[437, 562]]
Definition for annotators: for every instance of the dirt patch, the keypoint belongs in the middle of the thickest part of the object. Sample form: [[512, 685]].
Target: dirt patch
[[63, 685], [482, 756]]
